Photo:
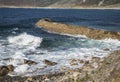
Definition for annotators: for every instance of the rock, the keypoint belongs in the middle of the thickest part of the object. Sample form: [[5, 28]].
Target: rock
[[50, 63], [46, 19], [75, 30], [11, 68], [47, 80], [81, 61], [30, 79], [73, 62], [76, 74], [76, 62], [95, 65], [63, 68], [29, 62], [106, 49], [87, 62], [4, 70]]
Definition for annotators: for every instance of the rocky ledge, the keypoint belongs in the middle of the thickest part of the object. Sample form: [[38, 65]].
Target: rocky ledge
[[47, 24]]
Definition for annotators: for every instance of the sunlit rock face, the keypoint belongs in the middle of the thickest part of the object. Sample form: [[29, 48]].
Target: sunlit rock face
[[77, 30]]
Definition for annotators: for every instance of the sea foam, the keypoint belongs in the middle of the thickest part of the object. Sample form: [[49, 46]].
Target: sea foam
[[21, 46]]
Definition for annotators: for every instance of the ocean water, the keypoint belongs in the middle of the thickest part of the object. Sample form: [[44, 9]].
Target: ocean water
[[20, 39]]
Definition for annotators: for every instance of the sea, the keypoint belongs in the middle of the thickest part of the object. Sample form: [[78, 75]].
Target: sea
[[21, 40]]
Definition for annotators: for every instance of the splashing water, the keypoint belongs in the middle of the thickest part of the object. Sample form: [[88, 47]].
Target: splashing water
[[25, 46]]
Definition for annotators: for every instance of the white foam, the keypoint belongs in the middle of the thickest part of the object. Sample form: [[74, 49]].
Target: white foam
[[16, 48], [20, 46], [63, 57], [25, 40], [21, 69]]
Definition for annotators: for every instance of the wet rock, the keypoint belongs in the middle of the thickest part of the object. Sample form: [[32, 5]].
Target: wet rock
[[63, 68], [29, 62], [81, 61], [106, 49], [73, 62], [50, 63], [46, 19], [87, 62], [4, 70], [95, 65], [87, 68], [11, 68], [30, 79], [76, 74]]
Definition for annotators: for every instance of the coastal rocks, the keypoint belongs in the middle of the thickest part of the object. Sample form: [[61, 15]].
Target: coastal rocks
[[30, 79], [29, 62], [97, 70], [106, 49], [50, 63], [11, 68], [74, 62], [77, 30], [46, 19], [4, 70]]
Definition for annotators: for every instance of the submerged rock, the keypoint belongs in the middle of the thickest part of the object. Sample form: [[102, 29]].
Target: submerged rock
[[50, 63]]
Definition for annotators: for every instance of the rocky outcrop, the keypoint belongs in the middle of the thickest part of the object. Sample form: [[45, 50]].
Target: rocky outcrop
[[77, 30]]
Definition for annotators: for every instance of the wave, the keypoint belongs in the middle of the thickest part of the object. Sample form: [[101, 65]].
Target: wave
[[24, 46]]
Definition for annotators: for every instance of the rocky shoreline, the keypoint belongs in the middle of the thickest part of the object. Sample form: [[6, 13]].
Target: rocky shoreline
[[105, 69], [97, 70], [48, 25]]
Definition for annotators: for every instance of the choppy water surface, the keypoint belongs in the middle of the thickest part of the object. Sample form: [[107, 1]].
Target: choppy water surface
[[20, 39]]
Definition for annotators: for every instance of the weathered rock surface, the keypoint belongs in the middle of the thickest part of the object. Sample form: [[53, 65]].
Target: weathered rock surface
[[77, 30]]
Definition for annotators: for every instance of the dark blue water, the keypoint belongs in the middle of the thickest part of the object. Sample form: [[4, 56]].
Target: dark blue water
[[24, 20], [102, 19]]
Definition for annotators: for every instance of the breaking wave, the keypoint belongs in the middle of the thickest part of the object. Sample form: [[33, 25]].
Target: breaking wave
[[24, 46]]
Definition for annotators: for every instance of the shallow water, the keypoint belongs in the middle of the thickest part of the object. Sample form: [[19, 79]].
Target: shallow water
[[20, 39]]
